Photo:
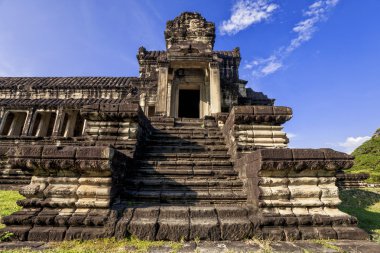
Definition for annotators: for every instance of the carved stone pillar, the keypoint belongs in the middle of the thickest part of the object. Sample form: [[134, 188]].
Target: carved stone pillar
[[43, 124], [142, 101], [169, 97], [205, 96], [58, 121], [3, 120], [174, 100], [162, 88], [2, 111], [69, 131], [27, 123], [215, 93]]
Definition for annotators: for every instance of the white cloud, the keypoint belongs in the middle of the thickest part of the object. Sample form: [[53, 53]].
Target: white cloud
[[246, 13], [351, 143], [271, 67], [291, 135], [304, 31]]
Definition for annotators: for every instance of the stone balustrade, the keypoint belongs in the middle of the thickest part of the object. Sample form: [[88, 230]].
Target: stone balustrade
[[248, 128]]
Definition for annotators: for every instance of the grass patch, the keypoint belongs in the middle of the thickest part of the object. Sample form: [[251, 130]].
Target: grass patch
[[104, 245], [364, 204], [8, 203]]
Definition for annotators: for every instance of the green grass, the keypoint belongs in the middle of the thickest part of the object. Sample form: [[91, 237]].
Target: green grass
[[364, 205], [367, 159], [8, 203], [104, 245]]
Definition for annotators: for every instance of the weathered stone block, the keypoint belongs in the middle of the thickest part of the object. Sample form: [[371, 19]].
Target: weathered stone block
[[121, 230], [20, 233], [74, 233], [292, 233], [273, 233], [144, 223], [56, 152], [348, 233], [308, 232], [326, 233]]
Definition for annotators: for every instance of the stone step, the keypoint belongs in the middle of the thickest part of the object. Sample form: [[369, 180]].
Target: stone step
[[185, 222], [178, 131], [186, 173], [188, 137], [14, 172], [187, 167], [13, 181], [189, 122], [191, 183], [210, 129], [214, 156], [183, 142], [185, 149], [187, 196], [209, 164]]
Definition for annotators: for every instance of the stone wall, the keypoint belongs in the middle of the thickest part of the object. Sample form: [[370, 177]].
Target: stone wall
[[295, 193], [119, 125]]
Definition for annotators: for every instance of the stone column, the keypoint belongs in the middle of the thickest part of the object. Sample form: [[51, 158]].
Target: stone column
[[44, 124], [173, 100], [69, 131], [215, 93], [204, 95], [169, 97], [58, 122], [17, 124], [2, 111], [28, 122], [84, 127], [142, 101], [162, 88], [3, 120]]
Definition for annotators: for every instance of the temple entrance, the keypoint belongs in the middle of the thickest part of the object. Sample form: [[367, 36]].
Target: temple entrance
[[188, 104]]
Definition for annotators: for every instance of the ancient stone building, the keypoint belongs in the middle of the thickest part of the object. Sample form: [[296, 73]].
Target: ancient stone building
[[185, 150]]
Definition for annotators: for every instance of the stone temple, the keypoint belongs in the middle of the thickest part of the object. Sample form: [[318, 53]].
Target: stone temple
[[183, 151]]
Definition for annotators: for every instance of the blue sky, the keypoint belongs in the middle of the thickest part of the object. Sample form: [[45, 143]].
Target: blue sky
[[320, 57]]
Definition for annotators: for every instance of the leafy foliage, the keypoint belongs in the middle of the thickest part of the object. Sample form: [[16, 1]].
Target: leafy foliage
[[367, 159]]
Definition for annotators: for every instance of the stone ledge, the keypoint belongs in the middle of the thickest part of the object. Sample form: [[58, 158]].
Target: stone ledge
[[111, 112], [260, 114]]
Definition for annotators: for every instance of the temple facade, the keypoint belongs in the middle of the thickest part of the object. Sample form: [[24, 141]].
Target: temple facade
[[183, 151]]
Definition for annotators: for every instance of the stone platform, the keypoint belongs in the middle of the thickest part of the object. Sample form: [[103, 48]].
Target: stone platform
[[176, 179]]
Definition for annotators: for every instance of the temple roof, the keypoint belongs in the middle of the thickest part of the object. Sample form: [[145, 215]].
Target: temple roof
[[65, 82], [55, 102]]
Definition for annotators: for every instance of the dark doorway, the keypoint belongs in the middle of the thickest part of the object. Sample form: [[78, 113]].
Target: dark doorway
[[188, 104]]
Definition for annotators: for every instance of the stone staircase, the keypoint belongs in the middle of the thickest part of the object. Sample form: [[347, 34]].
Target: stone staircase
[[185, 164], [184, 185]]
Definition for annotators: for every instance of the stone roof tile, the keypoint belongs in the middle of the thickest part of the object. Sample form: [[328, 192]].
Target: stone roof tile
[[65, 82]]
